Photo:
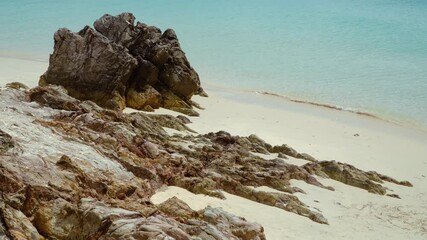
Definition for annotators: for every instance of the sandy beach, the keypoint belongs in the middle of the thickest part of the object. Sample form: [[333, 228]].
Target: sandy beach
[[365, 142], [326, 134], [21, 70]]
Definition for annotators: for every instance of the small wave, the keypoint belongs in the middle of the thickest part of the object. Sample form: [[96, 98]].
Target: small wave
[[329, 106], [399, 121]]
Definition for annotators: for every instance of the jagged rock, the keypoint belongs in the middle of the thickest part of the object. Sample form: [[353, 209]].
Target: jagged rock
[[202, 93], [90, 67], [9, 182], [62, 220], [178, 75], [154, 227], [3, 232], [284, 201], [227, 226], [380, 177], [238, 227], [17, 85], [394, 196], [53, 96], [186, 111], [123, 64], [350, 175], [119, 29], [6, 142], [170, 122], [286, 150], [16, 225], [59, 220], [183, 119], [222, 138], [177, 208], [281, 155], [162, 50], [84, 172], [141, 100], [145, 74], [173, 102]]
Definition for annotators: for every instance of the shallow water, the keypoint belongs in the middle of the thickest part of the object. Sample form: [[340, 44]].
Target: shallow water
[[365, 55]]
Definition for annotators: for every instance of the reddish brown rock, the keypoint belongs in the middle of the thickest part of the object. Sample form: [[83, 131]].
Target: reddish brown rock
[[70, 169]]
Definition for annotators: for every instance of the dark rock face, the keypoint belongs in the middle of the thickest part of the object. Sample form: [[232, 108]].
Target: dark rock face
[[118, 29], [120, 63], [91, 67]]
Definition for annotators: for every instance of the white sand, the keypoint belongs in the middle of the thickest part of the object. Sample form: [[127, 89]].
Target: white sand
[[19, 70], [353, 213], [400, 152]]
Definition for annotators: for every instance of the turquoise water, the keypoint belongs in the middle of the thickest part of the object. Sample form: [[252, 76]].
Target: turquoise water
[[367, 55]]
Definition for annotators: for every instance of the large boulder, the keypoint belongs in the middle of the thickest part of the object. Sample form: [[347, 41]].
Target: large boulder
[[162, 50], [121, 63], [91, 67]]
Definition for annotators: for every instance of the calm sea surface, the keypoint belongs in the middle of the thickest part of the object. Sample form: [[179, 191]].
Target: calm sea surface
[[366, 55]]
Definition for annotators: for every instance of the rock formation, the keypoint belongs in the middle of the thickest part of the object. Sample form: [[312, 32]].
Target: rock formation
[[121, 63], [70, 169], [55, 185]]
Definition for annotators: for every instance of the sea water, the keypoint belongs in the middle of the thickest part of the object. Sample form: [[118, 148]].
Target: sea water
[[364, 55]]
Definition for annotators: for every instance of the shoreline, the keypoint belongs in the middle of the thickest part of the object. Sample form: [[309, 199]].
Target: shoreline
[[402, 122], [334, 107], [11, 65]]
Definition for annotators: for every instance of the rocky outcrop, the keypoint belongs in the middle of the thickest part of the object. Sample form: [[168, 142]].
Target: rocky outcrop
[[61, 186], [90, 67], [353, 176], [232, 227], [70, 169], [122, 63]]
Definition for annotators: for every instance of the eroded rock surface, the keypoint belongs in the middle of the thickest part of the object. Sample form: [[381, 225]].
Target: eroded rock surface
[[353, 176], [121, 63], [6, 142], [70, 169], [90, 67]]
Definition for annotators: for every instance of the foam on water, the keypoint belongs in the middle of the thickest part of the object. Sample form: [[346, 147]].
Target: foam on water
[[365, 55]]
